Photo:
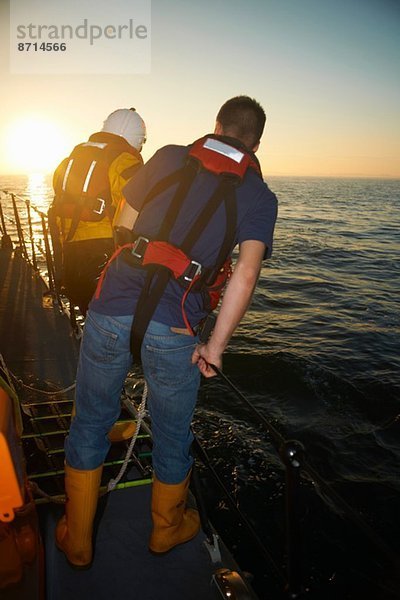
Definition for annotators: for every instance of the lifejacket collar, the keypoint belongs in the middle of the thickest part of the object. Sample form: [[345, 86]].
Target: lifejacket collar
[[104, 137], [224, 156]]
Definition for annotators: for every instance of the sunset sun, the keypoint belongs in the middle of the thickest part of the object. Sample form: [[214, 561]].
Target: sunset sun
[[35, 144]]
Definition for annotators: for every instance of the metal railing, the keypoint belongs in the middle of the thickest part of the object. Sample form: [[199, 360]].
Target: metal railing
[[34, 248]]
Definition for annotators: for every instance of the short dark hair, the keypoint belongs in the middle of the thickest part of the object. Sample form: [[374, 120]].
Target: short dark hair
[[243, 118]]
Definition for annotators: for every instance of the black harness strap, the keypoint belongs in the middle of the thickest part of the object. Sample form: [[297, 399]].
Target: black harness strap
[[88, 203], [76, 217], [225, 191], [165, 183], [151, 294], [158, 276]]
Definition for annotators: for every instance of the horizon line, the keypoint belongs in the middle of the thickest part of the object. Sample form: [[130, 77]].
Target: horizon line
[[391, 177]]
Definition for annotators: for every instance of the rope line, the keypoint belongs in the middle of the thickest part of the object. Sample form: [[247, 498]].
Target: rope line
[[140, 416]]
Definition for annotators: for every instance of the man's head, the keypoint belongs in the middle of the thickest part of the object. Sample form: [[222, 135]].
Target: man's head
[[242, 118], [127, 123]]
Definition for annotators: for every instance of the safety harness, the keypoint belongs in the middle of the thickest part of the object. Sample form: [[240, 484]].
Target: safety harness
[[82, 189], [164, 260]]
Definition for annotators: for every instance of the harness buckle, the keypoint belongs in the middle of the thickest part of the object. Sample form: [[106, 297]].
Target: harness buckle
[[192, 271], [101, 208], [139, 247]]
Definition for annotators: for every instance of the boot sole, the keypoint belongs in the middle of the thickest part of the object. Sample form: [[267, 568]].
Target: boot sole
[[75, 567], [164, 552]]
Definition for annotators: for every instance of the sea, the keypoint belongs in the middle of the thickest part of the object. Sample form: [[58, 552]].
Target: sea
[[318, 355]]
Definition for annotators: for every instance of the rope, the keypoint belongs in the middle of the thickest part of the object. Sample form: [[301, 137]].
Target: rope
[[37, 491], [5, 369], [140, 416]]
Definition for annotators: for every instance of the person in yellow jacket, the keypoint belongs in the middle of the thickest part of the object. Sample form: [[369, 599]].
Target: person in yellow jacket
[[88, 199]]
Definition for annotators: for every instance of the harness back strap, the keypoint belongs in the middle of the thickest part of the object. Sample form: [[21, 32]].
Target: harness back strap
[[157, 277], [151, 294], [226, 192]]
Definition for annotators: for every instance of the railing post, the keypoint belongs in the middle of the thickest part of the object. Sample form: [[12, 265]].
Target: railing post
[[19, 229], [28, 208], [292, 454], [3, 223], [6, 242], [49, 261]]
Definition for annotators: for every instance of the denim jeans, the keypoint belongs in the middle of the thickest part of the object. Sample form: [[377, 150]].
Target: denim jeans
[[172, 381]]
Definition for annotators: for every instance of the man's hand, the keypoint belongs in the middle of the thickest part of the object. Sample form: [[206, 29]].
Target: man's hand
[[235, 301], [203, 357]]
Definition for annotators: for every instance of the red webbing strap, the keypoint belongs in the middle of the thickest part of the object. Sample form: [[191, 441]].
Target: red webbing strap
[[166, 255], [185, 295], [104, 271], [157, 253]]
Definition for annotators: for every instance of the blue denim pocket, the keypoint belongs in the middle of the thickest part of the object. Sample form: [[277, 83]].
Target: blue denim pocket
[[167, 356], [99, 344]]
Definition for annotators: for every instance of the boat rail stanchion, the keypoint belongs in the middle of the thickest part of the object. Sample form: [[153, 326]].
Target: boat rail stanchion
[[201, 454], [228, 582], [19, 229], [3, 223], [2, 226], [292, 455], [28, 211], [205, 523], [6, 242], [49, 262], [72, 316]]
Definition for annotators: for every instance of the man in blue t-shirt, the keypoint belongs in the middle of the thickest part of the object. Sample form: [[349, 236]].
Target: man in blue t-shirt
[[191, 206]]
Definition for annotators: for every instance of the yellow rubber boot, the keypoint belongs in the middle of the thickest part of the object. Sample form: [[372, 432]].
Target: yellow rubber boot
[[119, 432], [74, 530], [173, 523]]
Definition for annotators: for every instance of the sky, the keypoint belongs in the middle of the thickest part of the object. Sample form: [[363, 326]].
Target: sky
[[327, 74]]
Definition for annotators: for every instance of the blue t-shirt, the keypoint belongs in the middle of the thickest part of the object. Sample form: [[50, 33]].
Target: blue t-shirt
[[256, 216]]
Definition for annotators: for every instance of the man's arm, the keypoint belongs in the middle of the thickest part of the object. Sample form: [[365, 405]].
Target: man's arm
[[235, 302], [127, 216], [121, 171]]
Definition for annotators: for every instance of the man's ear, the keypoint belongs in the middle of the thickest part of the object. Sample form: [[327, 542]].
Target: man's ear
[[256, 147], [218, 128]]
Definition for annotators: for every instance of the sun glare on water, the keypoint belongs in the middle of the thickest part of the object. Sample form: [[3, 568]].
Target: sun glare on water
[[35, 145]]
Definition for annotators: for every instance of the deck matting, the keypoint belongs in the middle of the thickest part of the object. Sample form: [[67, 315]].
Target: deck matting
[[123, 568], [36, 343]]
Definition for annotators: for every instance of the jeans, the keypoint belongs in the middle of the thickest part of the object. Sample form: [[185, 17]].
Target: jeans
[[172, 381]]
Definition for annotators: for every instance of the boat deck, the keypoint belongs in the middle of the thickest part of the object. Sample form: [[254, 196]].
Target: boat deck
[[122, 566], [36, 342], [40, 351]]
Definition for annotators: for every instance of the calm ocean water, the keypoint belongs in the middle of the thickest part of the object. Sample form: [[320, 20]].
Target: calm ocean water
[[319, 354]]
